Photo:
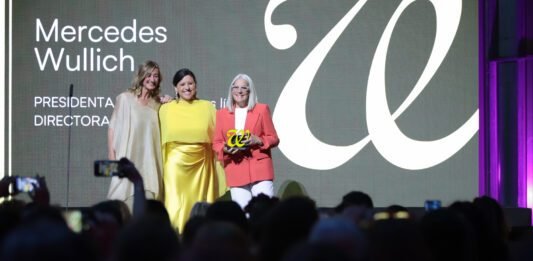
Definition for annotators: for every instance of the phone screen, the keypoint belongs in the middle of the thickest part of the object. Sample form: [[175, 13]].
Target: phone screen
[[106, 168], [430, 205], [26, 184]]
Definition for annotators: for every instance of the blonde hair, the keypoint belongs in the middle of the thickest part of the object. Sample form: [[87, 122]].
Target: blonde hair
[[144, 71]]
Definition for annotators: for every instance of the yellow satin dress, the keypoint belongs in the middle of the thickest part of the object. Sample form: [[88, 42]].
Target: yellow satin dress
[[190, 169]]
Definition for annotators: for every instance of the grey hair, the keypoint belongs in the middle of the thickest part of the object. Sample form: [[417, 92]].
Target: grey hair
[[252, 95]]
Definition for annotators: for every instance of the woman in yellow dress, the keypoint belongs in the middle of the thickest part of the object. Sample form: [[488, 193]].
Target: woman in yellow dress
[[189, 164]]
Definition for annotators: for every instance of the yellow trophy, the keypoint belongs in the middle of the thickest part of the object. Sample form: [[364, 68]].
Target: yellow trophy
[[236, 138]]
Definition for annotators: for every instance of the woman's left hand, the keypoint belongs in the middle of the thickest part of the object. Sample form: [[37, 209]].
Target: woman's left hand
[[253, 141]]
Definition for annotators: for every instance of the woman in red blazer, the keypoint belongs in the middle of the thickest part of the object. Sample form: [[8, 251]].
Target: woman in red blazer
[[244, 135]]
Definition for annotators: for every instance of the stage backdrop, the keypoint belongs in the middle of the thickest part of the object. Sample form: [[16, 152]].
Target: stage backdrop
[[378, 96]]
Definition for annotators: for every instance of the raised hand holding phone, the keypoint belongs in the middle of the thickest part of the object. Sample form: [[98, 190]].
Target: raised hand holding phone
[[106, 168], [26, 184], [40, 193], [34, 186], [127, 169]]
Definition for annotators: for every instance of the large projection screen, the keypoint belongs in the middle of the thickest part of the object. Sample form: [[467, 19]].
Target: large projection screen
[[376, 95]]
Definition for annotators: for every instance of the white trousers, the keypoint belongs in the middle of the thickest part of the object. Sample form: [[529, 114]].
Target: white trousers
[[242, 195]]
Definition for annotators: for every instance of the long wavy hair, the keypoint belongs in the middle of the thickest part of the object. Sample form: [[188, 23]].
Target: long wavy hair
[[144, 71]]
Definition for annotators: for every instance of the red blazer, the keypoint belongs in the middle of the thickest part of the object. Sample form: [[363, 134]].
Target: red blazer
[[252, 165]]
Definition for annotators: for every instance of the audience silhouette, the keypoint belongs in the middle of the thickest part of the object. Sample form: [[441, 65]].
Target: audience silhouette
[[268, 229]]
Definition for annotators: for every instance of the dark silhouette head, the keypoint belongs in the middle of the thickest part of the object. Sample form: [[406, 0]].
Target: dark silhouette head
[[156, 209], [288, 223], [228, 211], [44, 239], [396, 239], [449, 235], [147, 238], [219, 240], [355, 198]]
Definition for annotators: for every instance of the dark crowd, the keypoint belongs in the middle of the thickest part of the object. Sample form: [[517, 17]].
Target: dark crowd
[[268, 229]]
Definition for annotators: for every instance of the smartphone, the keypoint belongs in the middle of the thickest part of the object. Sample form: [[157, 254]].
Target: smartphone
[[430, 205], [26, 184], [106, 168]]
